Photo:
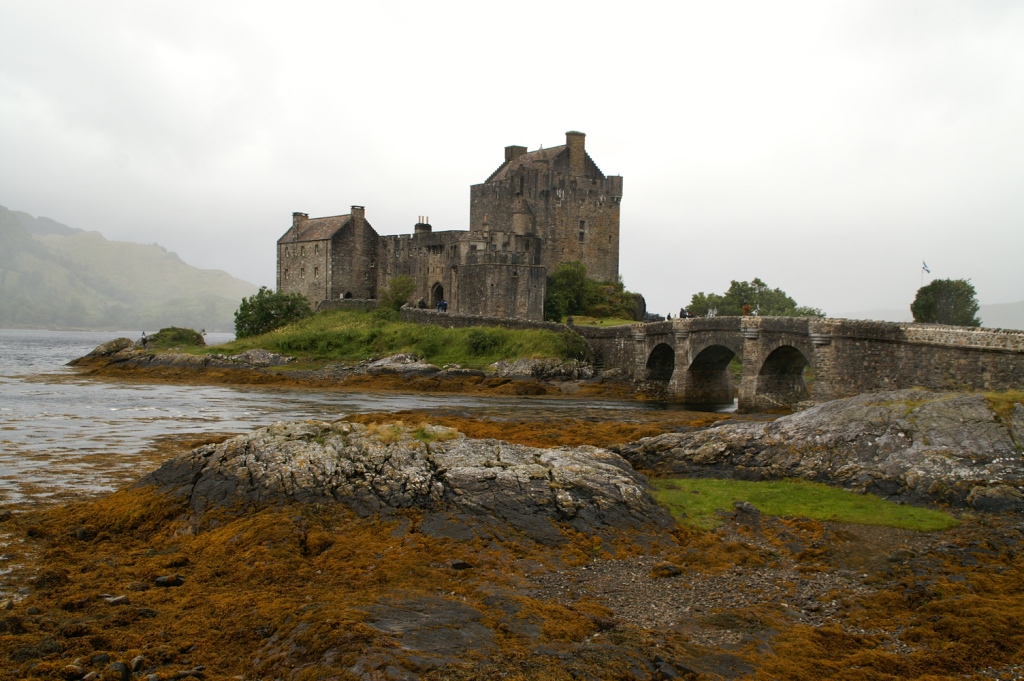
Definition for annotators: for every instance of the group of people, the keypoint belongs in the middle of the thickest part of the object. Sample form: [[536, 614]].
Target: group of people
[[442, 305]]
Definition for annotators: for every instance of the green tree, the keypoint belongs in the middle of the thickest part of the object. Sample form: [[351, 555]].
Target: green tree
[[398, 292], [755, 296], [571, 292], [946, 301], [266, 310]]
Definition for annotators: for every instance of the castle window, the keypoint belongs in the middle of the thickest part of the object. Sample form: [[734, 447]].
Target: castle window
[[302, 250], [286, 274], [583, 225], [316, 272], [582, 234], [316, 249], [302, 273]]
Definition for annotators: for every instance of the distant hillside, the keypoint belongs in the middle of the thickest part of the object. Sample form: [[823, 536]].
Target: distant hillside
[[52, 275], [1001, 316]]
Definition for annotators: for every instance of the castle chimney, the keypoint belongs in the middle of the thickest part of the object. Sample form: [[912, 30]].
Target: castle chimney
[[358, 215], [577, 151], [299, 218], [513, 152], [422, 226]]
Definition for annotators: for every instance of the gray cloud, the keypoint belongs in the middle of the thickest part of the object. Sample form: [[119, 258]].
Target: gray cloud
[[825, 147]]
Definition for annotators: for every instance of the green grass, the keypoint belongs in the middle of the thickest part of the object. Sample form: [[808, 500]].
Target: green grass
[[694, 502], [348, 336], [582, 320], [1004, 402]]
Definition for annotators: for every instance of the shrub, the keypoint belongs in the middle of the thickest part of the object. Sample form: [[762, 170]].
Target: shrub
[[481, 341], [397, 294], [946, 301], [267, 310], [174, 336]]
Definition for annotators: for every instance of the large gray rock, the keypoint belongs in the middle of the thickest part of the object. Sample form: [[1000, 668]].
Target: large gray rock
[[461, 484], [912, 445], [544, 369]]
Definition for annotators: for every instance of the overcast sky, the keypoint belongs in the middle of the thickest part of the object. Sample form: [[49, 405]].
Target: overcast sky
[[825, 147]]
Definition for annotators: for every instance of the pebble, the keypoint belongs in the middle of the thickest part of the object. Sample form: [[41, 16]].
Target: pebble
[[119, 670], [170, 580]]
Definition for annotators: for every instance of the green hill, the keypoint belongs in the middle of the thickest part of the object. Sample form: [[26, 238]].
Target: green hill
[[55, 276]]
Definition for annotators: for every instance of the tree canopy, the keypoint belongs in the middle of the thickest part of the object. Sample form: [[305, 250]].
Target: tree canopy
[[266, 310], [398, 292], [753, 295], [946, 301], [571, 292]]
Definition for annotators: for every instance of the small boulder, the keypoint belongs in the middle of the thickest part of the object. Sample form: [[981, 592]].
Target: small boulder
[[118, 671], [665, 569], [996, 499], [170, 580]]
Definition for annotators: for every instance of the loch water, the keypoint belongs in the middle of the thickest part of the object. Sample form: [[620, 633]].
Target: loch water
[[64, 435]]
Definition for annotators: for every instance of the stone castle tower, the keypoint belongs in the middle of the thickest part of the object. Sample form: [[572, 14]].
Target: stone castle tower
[[560, 196], [538, 209]]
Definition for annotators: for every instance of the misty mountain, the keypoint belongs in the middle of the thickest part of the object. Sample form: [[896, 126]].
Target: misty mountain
[[1002, 316], [998, 316], [52, 275]]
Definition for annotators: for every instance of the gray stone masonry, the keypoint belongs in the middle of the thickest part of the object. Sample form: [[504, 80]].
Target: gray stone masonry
[[689, 358], [537, 210]]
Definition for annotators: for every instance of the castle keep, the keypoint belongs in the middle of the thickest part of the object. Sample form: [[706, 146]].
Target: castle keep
[[538, 209]]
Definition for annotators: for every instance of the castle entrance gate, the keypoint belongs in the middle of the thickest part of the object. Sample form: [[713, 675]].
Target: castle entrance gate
[[436, 294]]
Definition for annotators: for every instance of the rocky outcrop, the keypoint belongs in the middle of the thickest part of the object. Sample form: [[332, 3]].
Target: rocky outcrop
[[122, 354], [464, 486], [910, 445], [544, 369]]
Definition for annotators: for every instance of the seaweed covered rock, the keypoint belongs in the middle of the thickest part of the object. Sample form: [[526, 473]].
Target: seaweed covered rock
[[910, 445], [463, 485]]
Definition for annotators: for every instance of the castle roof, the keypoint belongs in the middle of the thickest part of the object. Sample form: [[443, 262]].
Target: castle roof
[[530, 158], [315, 229]]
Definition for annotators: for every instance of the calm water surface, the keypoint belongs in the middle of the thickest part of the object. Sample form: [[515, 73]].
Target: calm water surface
[[63, 435]]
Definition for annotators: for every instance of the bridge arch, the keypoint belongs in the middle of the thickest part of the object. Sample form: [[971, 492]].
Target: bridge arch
[[780, 381], [661, 363], [707, 379]]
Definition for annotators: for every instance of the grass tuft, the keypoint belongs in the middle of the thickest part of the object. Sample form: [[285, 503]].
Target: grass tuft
[[695, 502]]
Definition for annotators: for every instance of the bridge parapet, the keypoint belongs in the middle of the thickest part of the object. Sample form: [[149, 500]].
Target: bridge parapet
[[1008, 340], [848, 357]]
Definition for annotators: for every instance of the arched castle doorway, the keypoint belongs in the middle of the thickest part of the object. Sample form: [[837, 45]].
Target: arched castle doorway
[[436, 294]]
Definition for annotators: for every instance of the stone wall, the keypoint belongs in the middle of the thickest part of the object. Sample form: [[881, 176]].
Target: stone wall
[[304, 267], [459, 321], [353, 304], [561, 196], [848, 357], [860, 356], [354, 259]]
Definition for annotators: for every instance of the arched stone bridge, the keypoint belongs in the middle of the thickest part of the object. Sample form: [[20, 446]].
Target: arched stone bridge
[[689, 358]]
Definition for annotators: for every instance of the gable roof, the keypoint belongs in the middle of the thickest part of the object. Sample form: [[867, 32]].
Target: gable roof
[[315, 229], [540, 156]]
